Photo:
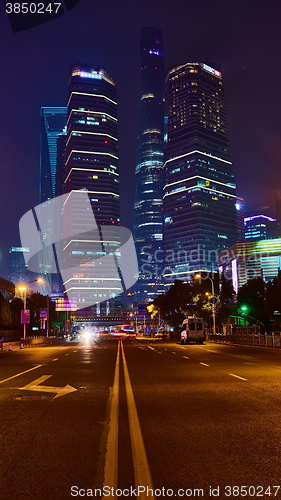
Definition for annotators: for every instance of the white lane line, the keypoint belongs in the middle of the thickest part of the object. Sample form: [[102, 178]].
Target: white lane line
[[149, 347], [185, 357], [66, 354], [18, 374], [204, 364], [55, 359], [141, 467], [237, 376], [174, 352], [111, 456], [74, 351]]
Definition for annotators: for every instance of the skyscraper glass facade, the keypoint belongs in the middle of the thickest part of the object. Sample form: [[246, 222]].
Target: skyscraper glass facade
[[199, 193], [148, 206], [19, 270], [91, 163], [53, 122]]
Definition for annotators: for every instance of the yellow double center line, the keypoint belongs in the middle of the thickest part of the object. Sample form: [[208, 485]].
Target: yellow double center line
[[140, 463]]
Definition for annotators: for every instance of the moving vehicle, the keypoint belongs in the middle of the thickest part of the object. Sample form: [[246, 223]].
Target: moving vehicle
[[193, 330]]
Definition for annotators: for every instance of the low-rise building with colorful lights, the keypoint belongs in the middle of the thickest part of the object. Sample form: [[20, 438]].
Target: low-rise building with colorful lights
[[251, 259]]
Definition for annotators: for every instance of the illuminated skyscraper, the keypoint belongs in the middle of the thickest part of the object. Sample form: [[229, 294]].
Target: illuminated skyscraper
[[148, 206], [53, 122], [19, 270], [200, 193], [91, 163]]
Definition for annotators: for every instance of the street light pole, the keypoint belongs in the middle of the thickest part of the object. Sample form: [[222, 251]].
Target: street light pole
[[137, 322], [24, 308], [23, 289], [213, 307]]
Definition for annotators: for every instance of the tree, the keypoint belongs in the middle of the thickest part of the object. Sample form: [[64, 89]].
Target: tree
[[175, 303], [16, 307], [5, 313], [225, 299], [273, 296], [251, 300]]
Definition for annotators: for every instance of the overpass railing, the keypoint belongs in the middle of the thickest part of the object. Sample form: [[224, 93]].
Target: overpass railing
[[270, 340], [32, 341]]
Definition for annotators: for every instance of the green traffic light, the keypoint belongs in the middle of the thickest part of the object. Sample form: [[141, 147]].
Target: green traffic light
[[244, 308]]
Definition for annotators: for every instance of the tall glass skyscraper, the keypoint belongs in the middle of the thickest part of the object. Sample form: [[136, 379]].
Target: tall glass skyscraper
[[199, 193], [91, 163], [148, 206], [53, 122]]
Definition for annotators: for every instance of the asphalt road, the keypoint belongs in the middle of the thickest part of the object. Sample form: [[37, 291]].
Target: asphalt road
[[177, 419]]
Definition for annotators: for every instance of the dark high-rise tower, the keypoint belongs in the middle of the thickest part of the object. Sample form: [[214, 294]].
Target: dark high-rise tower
[[53, 122], [148, 206], [200, 193], [91, 163]]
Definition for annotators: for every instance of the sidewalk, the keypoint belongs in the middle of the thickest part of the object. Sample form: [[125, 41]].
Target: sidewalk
[[15, 346]]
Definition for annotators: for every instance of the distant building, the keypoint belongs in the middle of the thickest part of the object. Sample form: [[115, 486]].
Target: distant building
[[251, 259], [260, 227], [53, 122], [148, 206], [19, 270], [200, 216], [7, 288]]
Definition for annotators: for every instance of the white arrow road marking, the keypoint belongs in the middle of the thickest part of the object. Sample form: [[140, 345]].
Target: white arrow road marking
[[34, 386]]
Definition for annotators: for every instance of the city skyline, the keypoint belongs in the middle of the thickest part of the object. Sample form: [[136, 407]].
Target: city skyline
[[254, 125]]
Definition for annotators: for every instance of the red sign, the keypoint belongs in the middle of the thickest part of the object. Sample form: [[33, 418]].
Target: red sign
[[25, 316]]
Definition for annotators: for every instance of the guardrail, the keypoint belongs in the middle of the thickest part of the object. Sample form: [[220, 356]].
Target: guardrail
[[32, 341], [272, 340]]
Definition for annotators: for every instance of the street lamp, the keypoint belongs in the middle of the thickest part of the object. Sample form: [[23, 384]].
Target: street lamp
[[213, 303], [23, 288]]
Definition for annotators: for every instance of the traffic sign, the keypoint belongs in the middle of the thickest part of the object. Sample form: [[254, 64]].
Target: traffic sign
[[43, 313], [213, 300]]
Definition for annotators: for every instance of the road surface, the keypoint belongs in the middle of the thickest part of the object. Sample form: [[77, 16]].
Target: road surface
[[148, 418]]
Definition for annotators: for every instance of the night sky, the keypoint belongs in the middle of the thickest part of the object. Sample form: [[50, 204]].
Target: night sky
[[243, 36]]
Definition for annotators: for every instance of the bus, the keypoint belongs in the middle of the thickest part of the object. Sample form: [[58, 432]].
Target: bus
[[193, 330]]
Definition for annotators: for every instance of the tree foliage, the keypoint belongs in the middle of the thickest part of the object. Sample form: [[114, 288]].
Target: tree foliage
[[5, 313], [252, 295]]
